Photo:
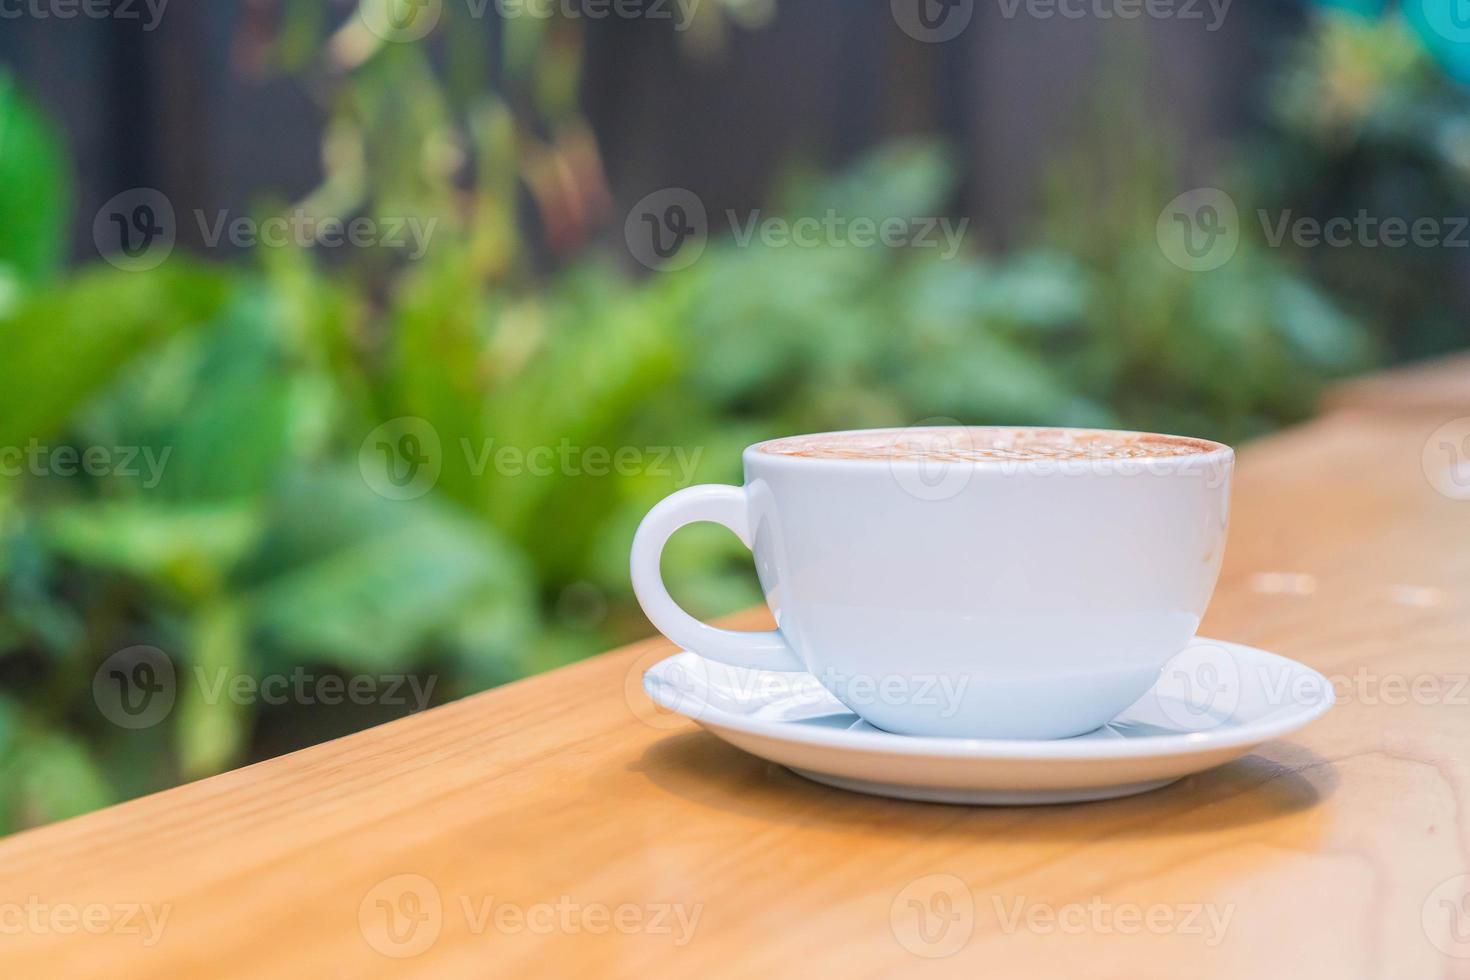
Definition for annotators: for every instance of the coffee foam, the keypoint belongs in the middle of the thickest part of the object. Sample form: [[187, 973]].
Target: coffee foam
[[974, 444]]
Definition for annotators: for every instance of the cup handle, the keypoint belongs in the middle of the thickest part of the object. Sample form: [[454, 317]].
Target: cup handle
[[717, 504]]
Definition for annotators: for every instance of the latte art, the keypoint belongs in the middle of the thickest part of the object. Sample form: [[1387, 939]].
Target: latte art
[[974, 444]]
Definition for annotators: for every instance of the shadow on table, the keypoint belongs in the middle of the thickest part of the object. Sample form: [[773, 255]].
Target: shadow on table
[[1279, 779]]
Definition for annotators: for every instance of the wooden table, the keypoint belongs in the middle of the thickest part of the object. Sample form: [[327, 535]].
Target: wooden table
[[1440, 386], [561, 826]]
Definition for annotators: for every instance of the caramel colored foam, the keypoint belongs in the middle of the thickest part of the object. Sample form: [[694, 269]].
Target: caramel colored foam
[[986, 444]]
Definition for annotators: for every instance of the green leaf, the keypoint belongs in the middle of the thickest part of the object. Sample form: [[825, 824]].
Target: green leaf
[[33, 195], [610, 349], [212, 725], [1042, 290], [902, 179], [232, 439], [67, 344], [438, 371], [489, 639], [227, 409], [990, 380], [1319, 332], [384, 579], [186, 549], [36, 613], [51, 776], [10, 716]]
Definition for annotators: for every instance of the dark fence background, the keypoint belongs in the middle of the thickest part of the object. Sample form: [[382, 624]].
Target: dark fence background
[[179, 109]]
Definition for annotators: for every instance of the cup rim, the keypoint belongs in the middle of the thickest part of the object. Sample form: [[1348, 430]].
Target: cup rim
[[1217, 450]]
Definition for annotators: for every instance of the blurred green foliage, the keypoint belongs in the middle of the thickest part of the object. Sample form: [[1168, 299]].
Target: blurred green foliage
[[1369, 113], [258, 543]]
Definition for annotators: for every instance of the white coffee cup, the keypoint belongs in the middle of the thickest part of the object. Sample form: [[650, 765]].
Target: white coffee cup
[[959, 588]]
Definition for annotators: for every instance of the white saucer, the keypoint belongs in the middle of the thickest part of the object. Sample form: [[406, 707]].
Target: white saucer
[[1213, 702]]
